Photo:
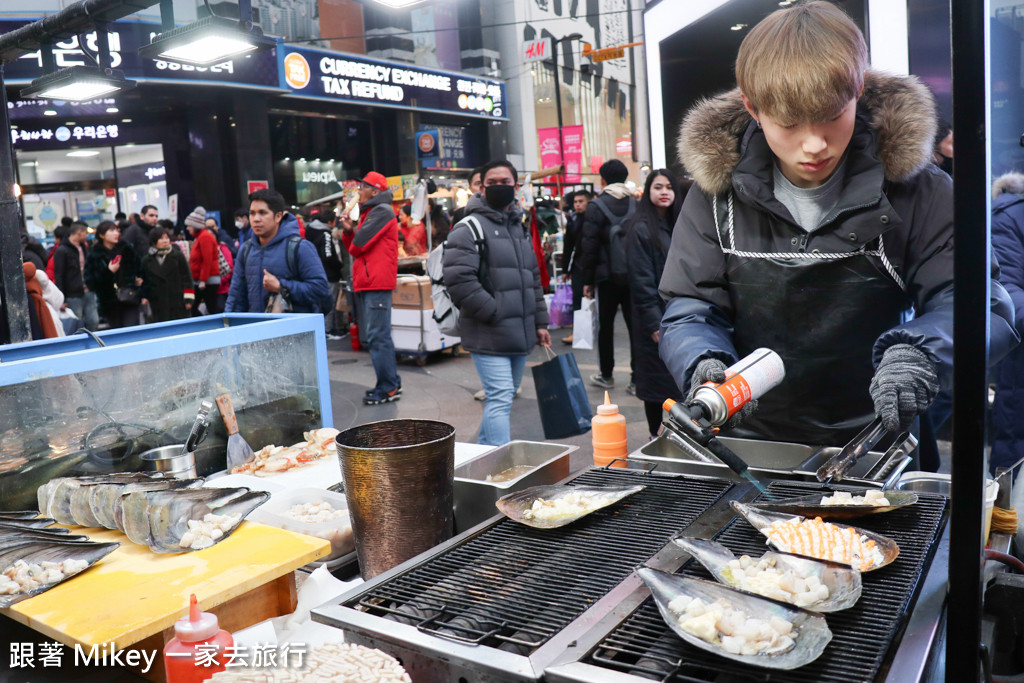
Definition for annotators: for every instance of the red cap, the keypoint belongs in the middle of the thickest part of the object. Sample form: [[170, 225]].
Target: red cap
[[374, 179]]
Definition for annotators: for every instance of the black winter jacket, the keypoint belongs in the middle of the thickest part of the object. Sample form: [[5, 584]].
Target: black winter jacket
[[594, 239], [891, 189], [67, 273], [164, 284], [501, 321], [646, 251], [98, 276], [573, 242], [331, 253], [1008, 408]]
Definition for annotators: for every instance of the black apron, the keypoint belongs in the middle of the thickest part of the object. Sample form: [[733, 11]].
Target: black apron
[[822, 314]]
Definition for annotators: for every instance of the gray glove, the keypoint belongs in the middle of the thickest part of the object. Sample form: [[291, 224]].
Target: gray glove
[[713, 370], [904, 385]]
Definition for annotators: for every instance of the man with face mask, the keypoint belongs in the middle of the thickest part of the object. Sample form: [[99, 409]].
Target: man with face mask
[[496, 286]]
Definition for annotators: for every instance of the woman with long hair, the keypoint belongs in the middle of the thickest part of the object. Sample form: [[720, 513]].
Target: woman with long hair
[[112, 266], [647, 240]]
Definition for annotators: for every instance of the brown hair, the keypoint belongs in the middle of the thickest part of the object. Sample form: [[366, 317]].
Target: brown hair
[[802, 64]]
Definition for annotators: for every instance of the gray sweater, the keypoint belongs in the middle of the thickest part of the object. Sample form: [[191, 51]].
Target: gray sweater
[[503, 319]]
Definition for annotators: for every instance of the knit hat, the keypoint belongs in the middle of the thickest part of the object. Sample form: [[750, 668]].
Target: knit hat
[[374, 179], [196, 219]]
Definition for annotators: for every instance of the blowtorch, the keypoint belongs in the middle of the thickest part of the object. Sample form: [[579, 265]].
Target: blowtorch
[[713, 404]]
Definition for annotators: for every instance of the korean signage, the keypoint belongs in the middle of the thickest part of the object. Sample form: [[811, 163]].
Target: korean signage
[[66, 135], [125, 39], [344, 77], [571, 151]]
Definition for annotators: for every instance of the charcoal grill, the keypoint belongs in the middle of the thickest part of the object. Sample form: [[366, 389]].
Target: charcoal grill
[[499, 602], [642, 647]]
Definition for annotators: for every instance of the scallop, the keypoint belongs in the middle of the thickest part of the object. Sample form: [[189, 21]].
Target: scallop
[[805, 642]]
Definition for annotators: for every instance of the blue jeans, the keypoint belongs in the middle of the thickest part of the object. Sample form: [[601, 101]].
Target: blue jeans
[[501, 376], [376, 309], [84, 306]]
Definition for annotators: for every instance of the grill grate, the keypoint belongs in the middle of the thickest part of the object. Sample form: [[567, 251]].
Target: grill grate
[[861, 636], [513, 587]]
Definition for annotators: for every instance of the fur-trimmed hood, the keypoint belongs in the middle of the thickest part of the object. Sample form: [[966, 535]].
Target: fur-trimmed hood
[[1008, 183], [901, 110]]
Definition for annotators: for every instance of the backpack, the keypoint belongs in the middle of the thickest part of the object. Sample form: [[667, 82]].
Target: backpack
[[446, 315], [291, 256], [617, 263]]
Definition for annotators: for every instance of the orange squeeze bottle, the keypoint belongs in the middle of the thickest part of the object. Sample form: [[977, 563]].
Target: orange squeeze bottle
[[198, 649], [609, 435]]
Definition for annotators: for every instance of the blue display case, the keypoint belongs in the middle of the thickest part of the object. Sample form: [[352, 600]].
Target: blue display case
[[71, 406]]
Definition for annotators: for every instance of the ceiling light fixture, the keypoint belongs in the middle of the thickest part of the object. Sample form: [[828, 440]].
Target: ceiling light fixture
[[112, 110], [83, 153], [49, 112], [79, 83], [208, 40]]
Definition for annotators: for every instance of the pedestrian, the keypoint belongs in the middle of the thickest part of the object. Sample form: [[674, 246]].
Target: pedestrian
[[45, 316], [647, 242], [275, 260], [242, 226], [1008, 248], [373, 244], [412, 233], [496, 287], [572, 244], [816, 222], [474, 188], [440, 226], [68, 276], [222, 237], [112, 271], [603, 265], [137, 232], [320, 230], [167, 279], [204, 262]]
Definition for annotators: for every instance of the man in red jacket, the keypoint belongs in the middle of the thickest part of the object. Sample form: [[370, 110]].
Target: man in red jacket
[[373, 244], [203, 261]]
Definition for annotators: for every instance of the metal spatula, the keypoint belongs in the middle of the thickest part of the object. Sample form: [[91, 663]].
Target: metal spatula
[[239, 450]]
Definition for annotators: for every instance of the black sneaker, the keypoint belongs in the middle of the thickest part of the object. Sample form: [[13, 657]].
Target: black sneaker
[[378, 397], [371, 392], [631, 389], [603, 382]]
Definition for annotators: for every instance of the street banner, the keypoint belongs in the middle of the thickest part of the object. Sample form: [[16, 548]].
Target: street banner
[[571, 152]]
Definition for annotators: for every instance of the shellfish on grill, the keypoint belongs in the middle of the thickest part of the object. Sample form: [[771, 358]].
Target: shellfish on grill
[[843, 583], [36, 552], [548, 507], [161, 519], [813, 505], [885, 549], [809, 633]]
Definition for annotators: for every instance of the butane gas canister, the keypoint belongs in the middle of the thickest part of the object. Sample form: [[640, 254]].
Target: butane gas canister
[[746, 380]]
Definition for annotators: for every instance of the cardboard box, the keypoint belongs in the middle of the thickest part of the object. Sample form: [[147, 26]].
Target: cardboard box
[[413, 291]]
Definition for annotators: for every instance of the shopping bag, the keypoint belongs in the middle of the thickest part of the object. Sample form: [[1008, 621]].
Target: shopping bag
[[560, 310], [584, 325], [561, 396]]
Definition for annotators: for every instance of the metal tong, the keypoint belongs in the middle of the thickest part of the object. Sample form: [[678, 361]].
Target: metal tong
[[199, 428], [838, 465]]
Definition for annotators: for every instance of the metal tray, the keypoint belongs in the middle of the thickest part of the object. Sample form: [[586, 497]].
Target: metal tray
[[475, 496]]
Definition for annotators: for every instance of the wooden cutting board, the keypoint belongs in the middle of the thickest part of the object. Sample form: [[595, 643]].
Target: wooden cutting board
[[134, 593]]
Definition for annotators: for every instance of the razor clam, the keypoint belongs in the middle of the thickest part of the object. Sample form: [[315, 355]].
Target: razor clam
[[171, 511], [105, 499], [521, 505], [18, 514], [762, 521], [811, 506], [843, 583], [36, 552], [16, 536], [810, 631], [37, 523], [60, 500]]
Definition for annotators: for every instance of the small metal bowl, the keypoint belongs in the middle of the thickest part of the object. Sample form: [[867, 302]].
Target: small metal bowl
[[925, 482], [171, 461]]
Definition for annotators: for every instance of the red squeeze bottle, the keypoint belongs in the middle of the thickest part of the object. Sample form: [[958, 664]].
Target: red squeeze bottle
[[184, 660]]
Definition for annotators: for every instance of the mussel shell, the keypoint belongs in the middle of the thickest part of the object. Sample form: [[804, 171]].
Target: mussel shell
[[170, 512], [810, 506], [105, 499], [810, 630], [49, 551], [844, 584], [514, 505], [762, 521]]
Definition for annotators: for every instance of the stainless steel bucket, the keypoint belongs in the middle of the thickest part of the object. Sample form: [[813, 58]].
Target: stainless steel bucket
[[172, 460], [398, 481]]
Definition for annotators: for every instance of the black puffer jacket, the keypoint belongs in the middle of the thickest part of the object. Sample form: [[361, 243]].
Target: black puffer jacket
[[502, 320], [890, 189], [67, 271], [646, 251], [593, 241]]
